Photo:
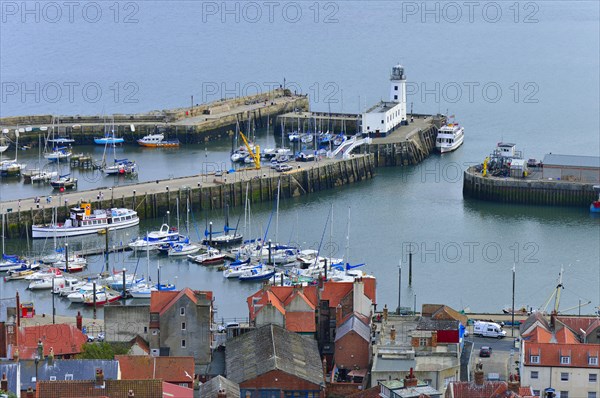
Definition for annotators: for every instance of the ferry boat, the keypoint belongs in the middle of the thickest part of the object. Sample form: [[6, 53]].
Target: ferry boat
[[449, 137], [156, 141], [82, 222]]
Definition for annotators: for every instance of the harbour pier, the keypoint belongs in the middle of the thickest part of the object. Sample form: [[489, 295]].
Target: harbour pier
[[206, 191], [193, 124]]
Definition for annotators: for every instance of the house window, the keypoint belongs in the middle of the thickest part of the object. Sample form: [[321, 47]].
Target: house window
[[564, 394], [183, 343], [182, 325], [593, 378], [423, 342], [565, 360], [534, 359], [564, 377], [381, 121], [396, 88], [534, 375], [593, 361], [395, 97], [145, 329], [592, 394], [182, 311]]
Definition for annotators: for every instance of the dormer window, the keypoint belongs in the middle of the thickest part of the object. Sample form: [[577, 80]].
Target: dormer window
[[534, 359], [565, 360], [593, 361]]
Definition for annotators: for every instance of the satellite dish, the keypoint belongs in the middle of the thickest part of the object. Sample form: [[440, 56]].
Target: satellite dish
[[132, 127]]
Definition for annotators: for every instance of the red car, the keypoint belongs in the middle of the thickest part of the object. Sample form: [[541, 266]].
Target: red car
[[485, 351]]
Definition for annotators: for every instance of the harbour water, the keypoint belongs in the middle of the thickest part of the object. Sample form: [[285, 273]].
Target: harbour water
[[464, 250]]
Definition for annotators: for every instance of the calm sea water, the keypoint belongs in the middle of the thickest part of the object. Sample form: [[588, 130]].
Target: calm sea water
[[527, 74]]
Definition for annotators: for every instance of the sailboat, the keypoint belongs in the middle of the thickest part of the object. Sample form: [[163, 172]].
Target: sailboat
[[109, 139], [12, 167], [37, 174], [144, 290], [3, 144], [120, 166], [226, 238], [54, 154], [64, 181]]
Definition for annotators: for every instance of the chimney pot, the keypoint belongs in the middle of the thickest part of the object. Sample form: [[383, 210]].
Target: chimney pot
[[99, 377], [479, 376], [4, 383], [222, 393], [130, 394], [30, 393]]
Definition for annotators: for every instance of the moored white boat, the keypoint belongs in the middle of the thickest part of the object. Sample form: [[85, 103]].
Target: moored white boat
[[183, 249], [144, 290], [258, 273], [155, 239], [157, 140], [212, 256], [82, 222], [46, 283], [449, 137]]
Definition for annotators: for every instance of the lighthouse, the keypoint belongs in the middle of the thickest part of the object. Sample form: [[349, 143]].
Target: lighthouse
[[384, 117]]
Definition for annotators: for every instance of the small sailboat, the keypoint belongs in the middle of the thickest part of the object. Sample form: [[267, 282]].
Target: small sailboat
[[212, 256], [258, 273], [102, 298], [154, 239]]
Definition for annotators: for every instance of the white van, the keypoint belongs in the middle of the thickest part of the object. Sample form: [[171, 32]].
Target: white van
[[488, 329]]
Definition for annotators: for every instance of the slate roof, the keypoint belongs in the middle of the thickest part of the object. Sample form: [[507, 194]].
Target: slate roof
[[212, 387], [552, 159], [441, 311], [269, 348], [426, 323], [576, 324], [169, 369], [12, 375], [353, 324], [112, 389], [80, 369], [531, 319], [64, 339]]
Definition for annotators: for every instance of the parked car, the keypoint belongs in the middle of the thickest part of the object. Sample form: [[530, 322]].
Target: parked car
[[485, 352], [283, 167]]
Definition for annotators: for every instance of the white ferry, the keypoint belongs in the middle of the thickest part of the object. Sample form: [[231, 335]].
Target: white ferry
[[449, 137], [83, 221]]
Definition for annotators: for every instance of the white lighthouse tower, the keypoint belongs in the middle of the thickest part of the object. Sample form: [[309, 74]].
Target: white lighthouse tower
[[398, 88], [384, 117]]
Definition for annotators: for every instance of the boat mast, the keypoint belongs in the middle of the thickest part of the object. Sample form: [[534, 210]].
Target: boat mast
[[277, 213], [177, 204], [348, 238], [559, 288]]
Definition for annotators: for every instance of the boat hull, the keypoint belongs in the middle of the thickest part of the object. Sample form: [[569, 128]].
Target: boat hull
[[49, 231]]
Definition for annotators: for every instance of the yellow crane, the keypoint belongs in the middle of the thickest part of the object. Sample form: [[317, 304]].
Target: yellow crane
[[254, 154]]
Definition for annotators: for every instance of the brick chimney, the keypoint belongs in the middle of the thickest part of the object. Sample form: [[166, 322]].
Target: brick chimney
[[130, 394], [434, 342], [50, 357], [100, 378], [553, 320], [514, 383], [79, 321], [4, 383], [393, 333], [410, 380], [40, 349], [479, 375], [16, 355], [385, 312], [338, 315], [30, 393], [324, 368], [221, 393]]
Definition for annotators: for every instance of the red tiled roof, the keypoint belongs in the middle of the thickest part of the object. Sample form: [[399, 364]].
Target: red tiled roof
[[488, 389], [564, 335], [161, 301], [576, 324], [141, 343], [538, 335], [112, 389], [550, 354], [303, 322], [372, 392], [173, 390], [170, 369], [334, 292], [62, 338], [299, 293]]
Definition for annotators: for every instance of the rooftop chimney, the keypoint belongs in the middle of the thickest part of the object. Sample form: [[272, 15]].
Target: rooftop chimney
[[79, 321], [16, 355], [479, 376], [338, 315], [51, 357], [130, 394], [221, 393], [514, 383], [393, 333], [4, 383], [40, 349], [385, 312], [553, 320], [30, 393], [100, 378], [410, 380]]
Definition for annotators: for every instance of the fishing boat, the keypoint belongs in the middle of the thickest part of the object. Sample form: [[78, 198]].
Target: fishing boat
[[156, 141], [449, 137], [102, 298], [258, 273], [154, 239], [82, 222], [64, 182], [212, 256]]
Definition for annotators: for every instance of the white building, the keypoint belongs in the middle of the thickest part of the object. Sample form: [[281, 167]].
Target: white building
[[385, 116]]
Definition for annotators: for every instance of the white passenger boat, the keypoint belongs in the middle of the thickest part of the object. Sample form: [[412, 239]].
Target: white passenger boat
[[46, 283], [449, 137], [154, 239], [82, 222]]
